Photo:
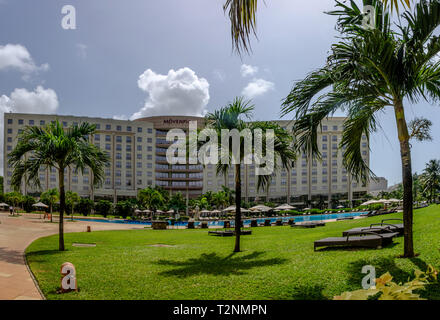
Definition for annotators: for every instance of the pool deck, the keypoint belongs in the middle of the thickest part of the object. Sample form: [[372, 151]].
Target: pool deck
[[16, 234]]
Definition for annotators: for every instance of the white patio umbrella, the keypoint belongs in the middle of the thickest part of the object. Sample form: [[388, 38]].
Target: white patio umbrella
[[159, 211], [4, 204], [146, 211], [216, 212], [40, 205], [367, 203], [230, 208], [261, 208], [285, 207], [340, 207]]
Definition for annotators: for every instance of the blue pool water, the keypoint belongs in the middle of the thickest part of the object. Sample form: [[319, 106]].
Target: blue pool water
[[305, 218]]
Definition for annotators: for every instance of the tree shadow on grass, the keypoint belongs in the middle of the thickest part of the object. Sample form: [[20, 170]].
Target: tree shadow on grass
[[311, 292], [213, 264]]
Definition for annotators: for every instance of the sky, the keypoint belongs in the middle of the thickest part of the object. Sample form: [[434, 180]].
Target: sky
[[130, 59]]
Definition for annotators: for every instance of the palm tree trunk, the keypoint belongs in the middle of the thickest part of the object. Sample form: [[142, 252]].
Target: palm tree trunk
[[237, 207], [405, 153], [62, 208]]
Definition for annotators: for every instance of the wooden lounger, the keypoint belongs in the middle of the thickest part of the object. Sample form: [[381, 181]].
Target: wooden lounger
[[229, 233], [361, 239], [346, 218], [309, 225], [382, 227]]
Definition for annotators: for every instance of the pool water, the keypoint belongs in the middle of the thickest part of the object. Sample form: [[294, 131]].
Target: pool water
[[305, 218]]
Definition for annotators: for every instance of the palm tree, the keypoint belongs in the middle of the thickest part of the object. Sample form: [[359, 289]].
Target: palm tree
[[243, 17], [52, 146], [72, 198], [368, 71], [230, 194], [431, 179], [230, 118], [151, 198], [50, 197]]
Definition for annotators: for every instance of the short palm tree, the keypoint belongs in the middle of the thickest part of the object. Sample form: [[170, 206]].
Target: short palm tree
[[72, 198], [431, 179], [367, 72], [243, 17], [50, 197], [53, 146], [233, 117], [151, 198]]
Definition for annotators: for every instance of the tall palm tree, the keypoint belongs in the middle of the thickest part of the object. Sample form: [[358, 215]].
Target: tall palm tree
[[368, 71], [52, 146], [243, 17], [431, 179], [233, 117]]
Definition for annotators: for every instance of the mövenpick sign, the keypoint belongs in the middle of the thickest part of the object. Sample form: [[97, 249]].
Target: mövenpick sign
[[228, 154]]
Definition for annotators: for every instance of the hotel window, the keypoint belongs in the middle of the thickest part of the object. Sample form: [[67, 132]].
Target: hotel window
[[31, 122], [364, 153], [149, 157], [314, 172], [139, 165], [293, 172], [118, 164], [139, 156], [324, 128], [334, 163], [42, 122], [304, 181], [149, 165], [139, 181], [128, 165], [324, 180], [324, 163], [118, 173], [118, 182], [344, 178], [149, 140], [128, 174], [9, 139], [334, 146], [324, 146], [128, 139], [364, 144], [108, 138], [107, 172], [118, 139], [75, 179], [9, 148], [9, 121], [139, 148], [334, 138], [108, 127], [20, 121], [139, 173], [334, 179], [118, 128], [118, 156], [75, 124], [324, 155], [9, 131], [128, 147], [364, 137], [335, 154], [128, 128], [118, 147], [283, 182], [107, 181], [293, 181], [304, 164], [334, 172], [149, 174], [139, 129], [149, 148], [128, 156], [139, 139], [335, 128], [324, 138], [314, 180], [304, 173], [149, 130], [64, 124], [324, 171], [97, 137]]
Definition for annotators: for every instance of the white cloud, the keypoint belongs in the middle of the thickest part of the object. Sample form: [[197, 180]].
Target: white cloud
[[23, 101], [248, 70], [257, 87], [180, 92], [16, 56]]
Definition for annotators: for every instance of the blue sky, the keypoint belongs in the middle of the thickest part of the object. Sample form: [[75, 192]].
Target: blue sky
[[142, 57]]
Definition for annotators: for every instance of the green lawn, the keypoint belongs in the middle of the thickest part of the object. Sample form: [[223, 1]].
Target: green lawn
[[276, 262]]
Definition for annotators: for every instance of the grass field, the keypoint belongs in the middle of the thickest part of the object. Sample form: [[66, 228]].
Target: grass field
[[276, 262]]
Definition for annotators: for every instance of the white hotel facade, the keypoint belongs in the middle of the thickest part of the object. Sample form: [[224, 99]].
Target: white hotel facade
[[138, 159]]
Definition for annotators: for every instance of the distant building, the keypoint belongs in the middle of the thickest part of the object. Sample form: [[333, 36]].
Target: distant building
[[137, 150], [377, 186]]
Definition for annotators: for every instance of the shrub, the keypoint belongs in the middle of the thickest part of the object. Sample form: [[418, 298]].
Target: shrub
[[103, 207], [124, 208], [27, 202], [85, 206]]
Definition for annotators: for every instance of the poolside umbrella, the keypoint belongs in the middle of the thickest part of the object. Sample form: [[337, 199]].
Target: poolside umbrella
[[4, 204], [159, 211], [261, 208], [367, 203], [205, 212], [284, 207], [40, 205], [307, 209], [340, 207], [137, 211], [146, 211], [216, 212], [230, 208]]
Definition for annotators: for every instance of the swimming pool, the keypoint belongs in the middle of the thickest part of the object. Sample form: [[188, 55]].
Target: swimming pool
[[305, 218]]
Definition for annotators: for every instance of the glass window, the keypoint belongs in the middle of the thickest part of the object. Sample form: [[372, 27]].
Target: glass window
[[20, 121], [31, 122], [108, 127], [42, 122], [9, 121]]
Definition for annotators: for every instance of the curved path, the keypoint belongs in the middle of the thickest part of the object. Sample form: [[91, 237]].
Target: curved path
[[16, 233]]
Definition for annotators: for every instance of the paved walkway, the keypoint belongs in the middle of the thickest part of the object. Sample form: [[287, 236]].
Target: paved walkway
[[16, 234]]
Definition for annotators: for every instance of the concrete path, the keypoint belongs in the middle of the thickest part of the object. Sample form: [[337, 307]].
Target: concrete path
[[16, 234]]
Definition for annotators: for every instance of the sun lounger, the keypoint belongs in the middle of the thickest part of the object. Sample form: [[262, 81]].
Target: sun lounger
[[190, 225], [279, 222], [229, 233], [267, 223], [382, 227], [254, 223], [346, 218], [360, 239], [308, 224]]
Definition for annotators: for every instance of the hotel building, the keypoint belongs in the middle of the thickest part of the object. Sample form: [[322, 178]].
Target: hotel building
[[137, 150]]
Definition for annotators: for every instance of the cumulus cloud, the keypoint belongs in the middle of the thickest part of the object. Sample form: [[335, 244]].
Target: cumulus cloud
[[17, 57], [179, 92], [248, 70], [257, 87], [23, 101]]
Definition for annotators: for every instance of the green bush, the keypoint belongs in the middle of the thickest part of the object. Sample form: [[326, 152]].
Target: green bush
[[103, 207], [124, 208], [27, 202], [85, 206]]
